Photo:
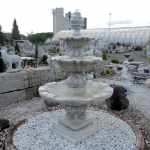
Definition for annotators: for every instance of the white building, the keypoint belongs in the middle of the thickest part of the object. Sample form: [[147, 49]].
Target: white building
[[58, 20], [135, 36]]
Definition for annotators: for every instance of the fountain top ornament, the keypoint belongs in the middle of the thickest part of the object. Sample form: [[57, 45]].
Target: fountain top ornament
[[76, 21]]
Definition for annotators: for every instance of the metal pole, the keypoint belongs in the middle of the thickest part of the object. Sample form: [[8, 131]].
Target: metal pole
[[109, 22], [109, 28]]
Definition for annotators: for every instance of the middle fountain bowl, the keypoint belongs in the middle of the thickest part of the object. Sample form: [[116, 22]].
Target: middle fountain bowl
[[77, 64]]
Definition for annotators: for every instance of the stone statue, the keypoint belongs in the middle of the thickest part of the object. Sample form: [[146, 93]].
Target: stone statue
[[118, 100], [12, 61]]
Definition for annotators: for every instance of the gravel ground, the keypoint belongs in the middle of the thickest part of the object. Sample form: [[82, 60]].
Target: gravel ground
[[20, 111], [136, 118], [131, 115], [40, 133]]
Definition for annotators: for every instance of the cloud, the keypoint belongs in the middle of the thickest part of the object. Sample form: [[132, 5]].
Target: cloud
[[36, 15]]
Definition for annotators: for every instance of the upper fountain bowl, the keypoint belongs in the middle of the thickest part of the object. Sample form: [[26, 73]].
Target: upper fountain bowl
[[77, 64]]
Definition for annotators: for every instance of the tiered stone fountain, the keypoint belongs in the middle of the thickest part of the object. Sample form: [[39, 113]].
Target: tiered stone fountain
[[75, 127], [76, 93]]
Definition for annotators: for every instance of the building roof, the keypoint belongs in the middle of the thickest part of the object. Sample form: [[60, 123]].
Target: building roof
[[124, 35]]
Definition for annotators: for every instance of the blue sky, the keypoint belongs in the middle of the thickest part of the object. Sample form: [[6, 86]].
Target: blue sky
[[36, 15]]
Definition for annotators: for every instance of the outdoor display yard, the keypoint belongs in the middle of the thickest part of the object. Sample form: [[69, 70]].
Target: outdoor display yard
[[75, 113], [29, 116]]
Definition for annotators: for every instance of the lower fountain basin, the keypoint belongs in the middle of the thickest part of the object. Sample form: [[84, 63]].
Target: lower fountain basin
[[77, 64], [75, 102], [59, 92], [41, 133]]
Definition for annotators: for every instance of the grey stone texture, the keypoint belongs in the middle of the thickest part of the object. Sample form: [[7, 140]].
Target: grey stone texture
[[23, 85]]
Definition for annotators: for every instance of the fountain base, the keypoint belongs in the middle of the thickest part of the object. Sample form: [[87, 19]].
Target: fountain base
[[76, 131], [42, 133], [76, 125]]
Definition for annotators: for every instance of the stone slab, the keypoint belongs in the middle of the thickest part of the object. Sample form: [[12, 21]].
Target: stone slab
[[12, 97], [23, 84], [12, 81]]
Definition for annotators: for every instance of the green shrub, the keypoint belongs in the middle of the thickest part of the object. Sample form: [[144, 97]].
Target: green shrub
[[115, 61], [148, 59], [145, 51], [109, 71], [106, 72], [104, 56]]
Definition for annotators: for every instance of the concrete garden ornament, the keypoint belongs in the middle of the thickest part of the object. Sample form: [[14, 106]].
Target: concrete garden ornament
[[13, 62]]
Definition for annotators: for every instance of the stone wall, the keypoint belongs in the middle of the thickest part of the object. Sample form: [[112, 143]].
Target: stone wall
[[23, 85]]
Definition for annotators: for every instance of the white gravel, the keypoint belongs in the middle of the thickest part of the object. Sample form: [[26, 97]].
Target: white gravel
[[39, 134]]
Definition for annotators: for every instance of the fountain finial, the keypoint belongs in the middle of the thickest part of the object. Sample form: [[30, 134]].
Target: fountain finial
[[76, 22]]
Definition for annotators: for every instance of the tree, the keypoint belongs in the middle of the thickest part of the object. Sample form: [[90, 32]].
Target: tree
[[36, 54], [39, 38], [17, 49], [15, 31], [1, 37], [36, 51], [104, 56]]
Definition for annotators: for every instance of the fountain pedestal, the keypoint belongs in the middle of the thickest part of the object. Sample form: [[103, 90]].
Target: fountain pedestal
[[76, 125], [75, 118]]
